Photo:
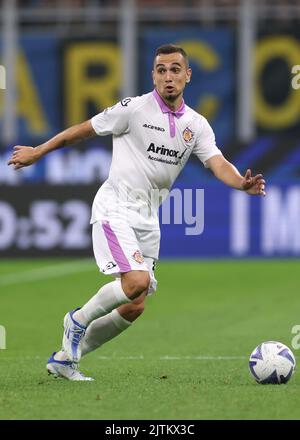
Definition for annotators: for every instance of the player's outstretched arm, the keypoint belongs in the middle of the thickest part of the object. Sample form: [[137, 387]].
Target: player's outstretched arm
[[24, 156], [227, 173]]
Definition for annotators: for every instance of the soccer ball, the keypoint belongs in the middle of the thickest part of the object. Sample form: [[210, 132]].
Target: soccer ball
[[272, 362]]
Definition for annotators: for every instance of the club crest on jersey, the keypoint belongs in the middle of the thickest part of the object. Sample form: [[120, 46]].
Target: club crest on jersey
[[138, 257], [188, 135]]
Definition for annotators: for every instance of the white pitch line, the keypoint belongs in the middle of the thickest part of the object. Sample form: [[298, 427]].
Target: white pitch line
[[42, 273], [174, 358], [159, 358], [202, 358]]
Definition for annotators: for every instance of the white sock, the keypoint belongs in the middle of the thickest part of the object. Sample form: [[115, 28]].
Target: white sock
[[106, 299], [102, 330]]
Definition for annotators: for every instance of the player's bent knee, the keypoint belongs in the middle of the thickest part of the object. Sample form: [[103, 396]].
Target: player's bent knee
[[139, 300], [135, 283]]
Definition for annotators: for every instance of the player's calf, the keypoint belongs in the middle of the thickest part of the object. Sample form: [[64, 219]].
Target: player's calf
[[132, 311]]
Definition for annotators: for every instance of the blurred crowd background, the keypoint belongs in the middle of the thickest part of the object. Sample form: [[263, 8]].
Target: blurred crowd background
[[67, 60]]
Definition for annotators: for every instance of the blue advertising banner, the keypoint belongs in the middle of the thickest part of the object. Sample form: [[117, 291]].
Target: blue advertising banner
[[38, 80], [233, 224], [212, 59], [61, 82]]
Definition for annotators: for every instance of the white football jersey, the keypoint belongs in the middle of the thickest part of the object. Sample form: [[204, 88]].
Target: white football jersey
[[151, 145]]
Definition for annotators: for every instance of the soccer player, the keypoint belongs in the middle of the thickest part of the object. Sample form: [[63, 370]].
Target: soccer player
[[153, 137]]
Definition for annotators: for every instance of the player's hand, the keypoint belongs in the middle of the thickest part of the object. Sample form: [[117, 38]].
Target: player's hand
[[254, 185], [23, 157]]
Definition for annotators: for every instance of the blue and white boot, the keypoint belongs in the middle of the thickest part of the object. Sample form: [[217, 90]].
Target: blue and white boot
[[73, 334], [66, 369]]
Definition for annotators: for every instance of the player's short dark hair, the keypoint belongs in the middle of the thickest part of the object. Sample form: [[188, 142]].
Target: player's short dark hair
[[171, 48]]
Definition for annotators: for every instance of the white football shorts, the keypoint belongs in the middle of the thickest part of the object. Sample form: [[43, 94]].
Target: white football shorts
[[120, 248]]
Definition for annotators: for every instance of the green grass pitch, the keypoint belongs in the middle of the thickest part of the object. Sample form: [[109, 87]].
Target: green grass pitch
[[185, 358]]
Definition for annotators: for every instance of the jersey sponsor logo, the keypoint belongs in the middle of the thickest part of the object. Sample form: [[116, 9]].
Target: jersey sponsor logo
[[125, 102], [160, 159], [188, 135], [138, 257], [165, 151], [109, 266], [153, 127]]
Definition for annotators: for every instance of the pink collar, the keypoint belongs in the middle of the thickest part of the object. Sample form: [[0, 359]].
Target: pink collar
[[165, 109]]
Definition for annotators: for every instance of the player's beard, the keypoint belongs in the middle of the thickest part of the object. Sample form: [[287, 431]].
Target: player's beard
[[172, 98]]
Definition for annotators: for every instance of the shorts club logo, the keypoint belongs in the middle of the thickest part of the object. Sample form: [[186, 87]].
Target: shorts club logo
[[188, 135], [109, 266], [138, 257]]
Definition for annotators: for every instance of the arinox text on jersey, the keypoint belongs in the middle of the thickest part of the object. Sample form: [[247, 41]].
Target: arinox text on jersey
[[164, 151]]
